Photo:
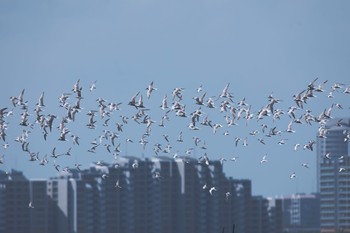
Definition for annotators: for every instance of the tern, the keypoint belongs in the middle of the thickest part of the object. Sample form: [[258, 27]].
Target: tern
[[149, 89], [211, 190], [117, 184], [263, 160], [228, 195], [93, 86], [30, 205], [293, 175]]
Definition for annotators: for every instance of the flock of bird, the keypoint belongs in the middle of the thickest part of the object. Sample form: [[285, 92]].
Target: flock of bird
[[108, 116]]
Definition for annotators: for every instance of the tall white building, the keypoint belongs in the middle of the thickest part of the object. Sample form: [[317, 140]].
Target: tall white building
[[333, 176]]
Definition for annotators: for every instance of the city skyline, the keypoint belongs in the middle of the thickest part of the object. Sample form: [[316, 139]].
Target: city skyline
[[186, 196], [260, 49]]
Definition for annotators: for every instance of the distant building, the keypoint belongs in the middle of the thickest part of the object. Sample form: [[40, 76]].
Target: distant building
[[154, 195], [260, 221], [333, 175], [298, 213], [17, 216], [15, 199]]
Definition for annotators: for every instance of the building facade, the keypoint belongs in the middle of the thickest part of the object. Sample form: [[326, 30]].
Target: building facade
[[333, 176], [154, 195], [298, 213]]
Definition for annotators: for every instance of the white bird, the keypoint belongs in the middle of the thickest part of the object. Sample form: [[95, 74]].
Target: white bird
[[149, 89], [237, 139], [282, 141], [132, 101], [157, 175], [327, 155], [6, 145], [117, 184], [99, 163], [75, 139], [245, 142], [228, 195], [211, 190], [305, 165], [289, 128], [93, 86], [179, 139], [41, 100], [215, 127], [135, 164], [77, 166], [222, 160], [296, 146], [293, 175], [2, 159], [199, 89], [342, 169], [30, 205], [263, 160], [225, 93]]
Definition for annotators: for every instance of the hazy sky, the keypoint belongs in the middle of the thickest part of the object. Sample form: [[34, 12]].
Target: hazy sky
[[259, 47]]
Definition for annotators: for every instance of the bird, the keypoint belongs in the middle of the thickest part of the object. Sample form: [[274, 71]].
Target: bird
[[149, 89], [293, 175], [157, 175], [263, 160], [211, 190], [75, 139], [179, 139], [30, 205], [222, 160], [296, 146], [261, 140], [342, 169], [57, 166], [215, 127], [282, 142], [2, 159], [77, 165], [135, 164], [305, 165], [132, 101], [237, 139], [289, 128], [228, 195], [117, 184], [93, 86]]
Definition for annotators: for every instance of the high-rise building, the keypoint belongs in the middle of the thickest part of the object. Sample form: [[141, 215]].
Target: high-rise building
[[151, 195], [259, 215], [298, 213], [24, 204], [333, 175], [16, 197], [154, 195]]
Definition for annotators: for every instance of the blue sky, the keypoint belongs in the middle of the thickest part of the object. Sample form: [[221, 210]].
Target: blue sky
[[259, 47]]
